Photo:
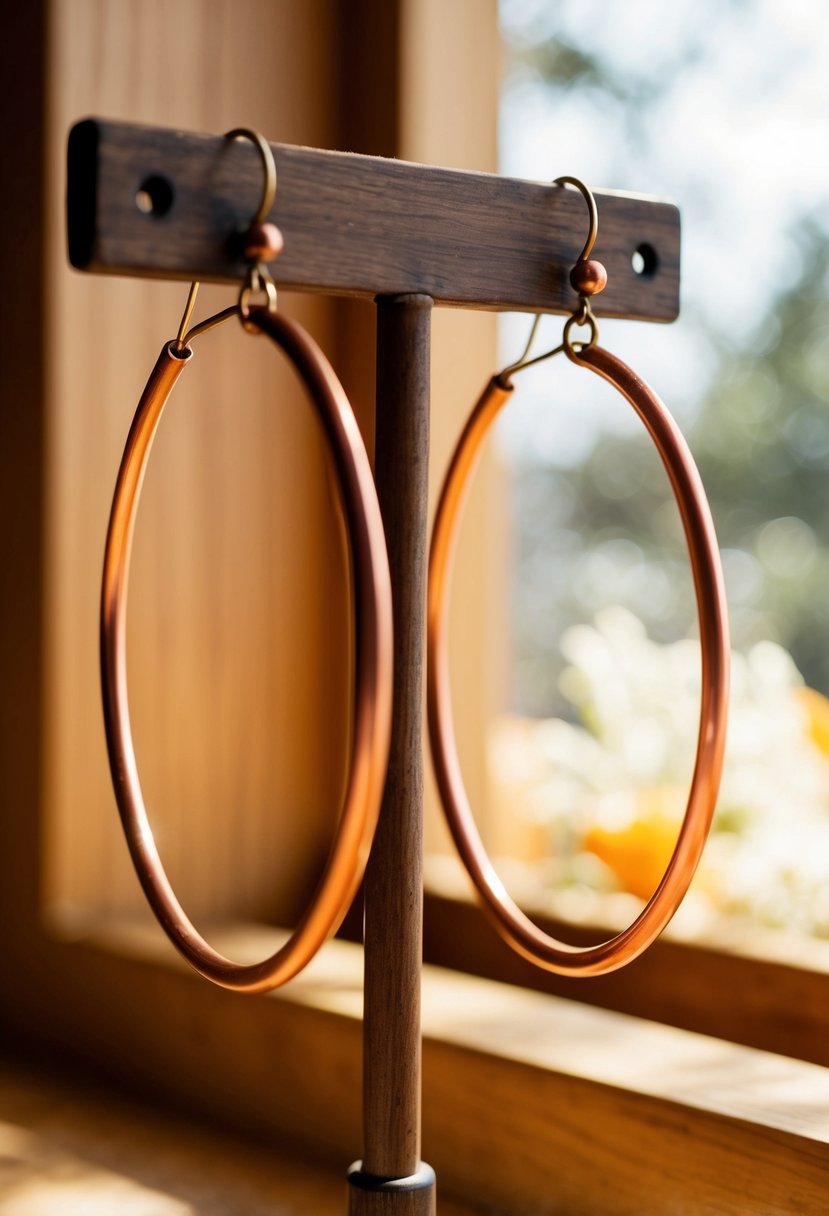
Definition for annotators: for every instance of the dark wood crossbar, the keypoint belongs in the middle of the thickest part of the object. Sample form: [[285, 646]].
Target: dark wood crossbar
[[358, 225]]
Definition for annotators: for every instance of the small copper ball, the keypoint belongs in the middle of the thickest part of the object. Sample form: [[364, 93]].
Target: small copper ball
[[588, 278], [263, 243]]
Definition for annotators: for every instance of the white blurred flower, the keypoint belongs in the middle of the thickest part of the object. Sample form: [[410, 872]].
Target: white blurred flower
[[620, 777]]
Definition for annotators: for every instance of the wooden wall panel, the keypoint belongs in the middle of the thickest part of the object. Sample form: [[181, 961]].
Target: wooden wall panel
[[230, 721], [449, 101], [22, 76], [238, 639]]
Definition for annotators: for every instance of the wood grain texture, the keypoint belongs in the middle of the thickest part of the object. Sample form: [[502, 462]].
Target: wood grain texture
[[532, 1104], [454, 121], [394, 877], [358, 225], [69, 1147], [769, 992], [239, 625]]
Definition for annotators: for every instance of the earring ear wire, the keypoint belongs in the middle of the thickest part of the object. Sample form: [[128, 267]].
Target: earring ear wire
[[588, 277], [262, 242]]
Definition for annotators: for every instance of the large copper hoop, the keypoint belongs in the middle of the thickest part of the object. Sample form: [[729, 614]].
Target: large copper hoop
[[373, 665], [514, 926]]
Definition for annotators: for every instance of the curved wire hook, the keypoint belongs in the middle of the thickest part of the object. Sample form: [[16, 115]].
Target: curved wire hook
[[260, 276], [268, 164], [587, 195], [524, 360], [586, 277]]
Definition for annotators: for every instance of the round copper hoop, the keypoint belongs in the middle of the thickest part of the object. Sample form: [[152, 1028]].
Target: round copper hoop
[[513, 925], [373, 666]]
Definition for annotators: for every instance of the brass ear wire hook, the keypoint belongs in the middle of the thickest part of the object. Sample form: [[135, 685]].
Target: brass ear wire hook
[[263, 243], [587, 195], [504, 378], [588, 277], [268, 164]]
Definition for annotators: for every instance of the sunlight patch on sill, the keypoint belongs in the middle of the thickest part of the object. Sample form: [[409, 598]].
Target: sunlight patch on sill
[[38, 1176]]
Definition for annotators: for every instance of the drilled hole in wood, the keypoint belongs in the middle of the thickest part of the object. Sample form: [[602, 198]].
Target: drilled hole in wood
[[154, 196], [644, 261]]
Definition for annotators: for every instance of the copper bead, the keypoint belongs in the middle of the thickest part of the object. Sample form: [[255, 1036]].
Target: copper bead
[[263, 243], [588, 278]]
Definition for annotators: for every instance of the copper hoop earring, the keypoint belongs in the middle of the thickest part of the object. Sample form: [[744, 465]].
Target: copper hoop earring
[[515, 927], [373, 618]]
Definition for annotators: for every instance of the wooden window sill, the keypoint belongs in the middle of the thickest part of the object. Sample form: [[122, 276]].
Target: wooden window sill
[[531, 1102], [68, 1148], [761, 988]]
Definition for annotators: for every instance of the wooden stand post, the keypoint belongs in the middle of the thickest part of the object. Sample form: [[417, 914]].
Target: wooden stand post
[[391, 1178]]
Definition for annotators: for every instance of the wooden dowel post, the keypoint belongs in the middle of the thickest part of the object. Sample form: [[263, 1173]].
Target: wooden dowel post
[[391, 1179]]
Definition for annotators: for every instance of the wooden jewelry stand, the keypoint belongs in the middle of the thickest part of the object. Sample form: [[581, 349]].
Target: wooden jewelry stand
[[407, 236]]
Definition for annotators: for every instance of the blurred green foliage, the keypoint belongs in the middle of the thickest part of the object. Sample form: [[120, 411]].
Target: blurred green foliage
[[606, 532]]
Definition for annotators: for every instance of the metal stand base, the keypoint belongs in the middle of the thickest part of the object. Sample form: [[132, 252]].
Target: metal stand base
[[371, 1196]]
